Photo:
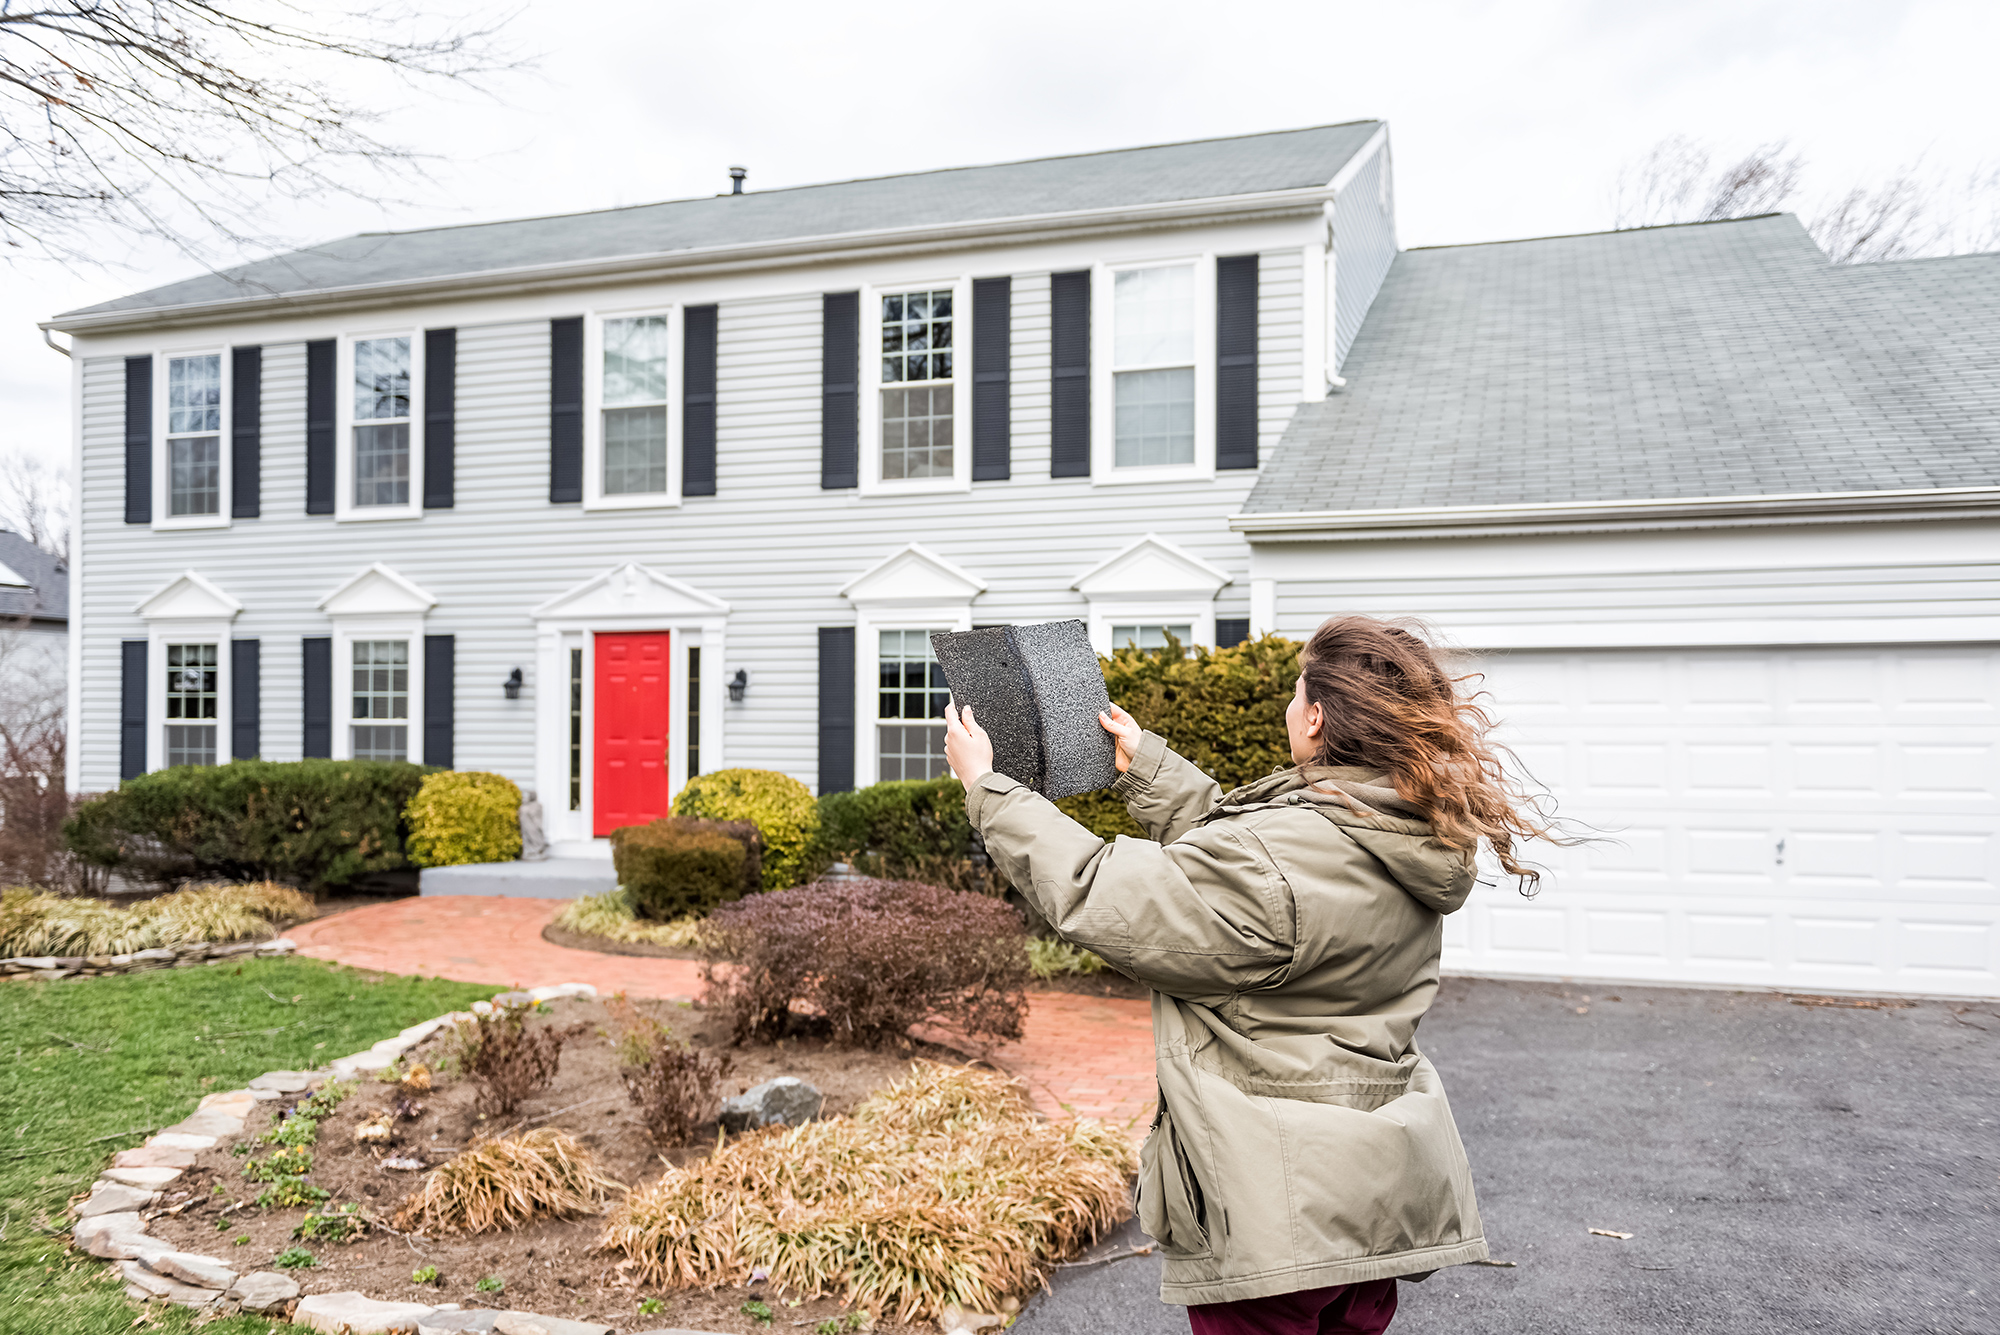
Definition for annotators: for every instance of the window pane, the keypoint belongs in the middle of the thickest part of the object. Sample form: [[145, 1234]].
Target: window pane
[[194, 394], [191, 682], [1153, 316], [909, 751], [377, 742], [381, 378], [1155, 418], [915, 327], [190, 743], [1152, 636], [194, 475], [635, 451], [911, 685], [635, 360], [382, 465], [917, 432], [381, 683]]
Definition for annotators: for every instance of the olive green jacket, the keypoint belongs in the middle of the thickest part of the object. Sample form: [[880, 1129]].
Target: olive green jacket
[[1291, 935]]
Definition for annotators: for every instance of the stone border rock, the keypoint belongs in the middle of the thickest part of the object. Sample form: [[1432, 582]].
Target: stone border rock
[[111, 1222], [48, 968]]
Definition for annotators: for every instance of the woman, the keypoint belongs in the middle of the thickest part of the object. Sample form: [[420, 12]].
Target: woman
[[1303, 1156]]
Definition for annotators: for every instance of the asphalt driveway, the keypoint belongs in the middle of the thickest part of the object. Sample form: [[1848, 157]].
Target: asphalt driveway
[[1781, 1167]]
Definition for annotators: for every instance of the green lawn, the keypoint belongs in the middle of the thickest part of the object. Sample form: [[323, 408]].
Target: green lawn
[[91, 1067]]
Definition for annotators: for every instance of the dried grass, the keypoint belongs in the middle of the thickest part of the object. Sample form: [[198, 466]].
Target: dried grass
[[505, 1183], [612, 916], [944, 1189], [36, 924]]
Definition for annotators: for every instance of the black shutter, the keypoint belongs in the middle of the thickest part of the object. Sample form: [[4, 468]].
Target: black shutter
[[319, 427], [1231, 631], [440, 418], [566, 410], [836, 709], [246, 432], [316, 651], [439, 654], [1236, 361], [840, 395], [138, 441], [132, 697], [245, 699], [992, 372], [1069, 374], [698, 402]]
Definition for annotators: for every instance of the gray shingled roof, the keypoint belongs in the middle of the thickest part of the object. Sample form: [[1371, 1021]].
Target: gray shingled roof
[[47, 596], [1207, 169], [1721, 359]]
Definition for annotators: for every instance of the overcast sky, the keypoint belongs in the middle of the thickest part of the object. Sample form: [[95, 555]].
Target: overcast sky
[[1507, 119]]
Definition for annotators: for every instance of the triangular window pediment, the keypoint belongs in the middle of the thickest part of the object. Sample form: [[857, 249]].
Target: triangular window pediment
[[377, 591], [631, 590], [912, 576], [188, 596], [1151, 567]]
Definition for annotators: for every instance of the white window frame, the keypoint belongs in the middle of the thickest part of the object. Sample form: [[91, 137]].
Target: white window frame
[[346, 631], [344, 508], [1103, 387], [594, 497], [871, 386], [162, 463], [159, 635], [868, 628], [1189, 612]]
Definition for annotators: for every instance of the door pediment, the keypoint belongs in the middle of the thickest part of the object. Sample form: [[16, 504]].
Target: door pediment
[[1151, 567], [913, 576], [188, 596], [631, 592], [377, 591]]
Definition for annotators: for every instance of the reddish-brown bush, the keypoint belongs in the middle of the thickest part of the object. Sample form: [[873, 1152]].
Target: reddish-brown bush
[[681, 865], [871, 957], [675, 1087], [510, 1060]]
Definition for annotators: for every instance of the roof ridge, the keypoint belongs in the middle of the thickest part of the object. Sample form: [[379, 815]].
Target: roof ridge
[[1608, 231]]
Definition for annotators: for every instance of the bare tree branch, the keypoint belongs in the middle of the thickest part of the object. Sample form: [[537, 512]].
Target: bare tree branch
[[35, 502]]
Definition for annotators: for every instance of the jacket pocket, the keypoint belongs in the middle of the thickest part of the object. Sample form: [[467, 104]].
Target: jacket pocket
[[1172, 1208]]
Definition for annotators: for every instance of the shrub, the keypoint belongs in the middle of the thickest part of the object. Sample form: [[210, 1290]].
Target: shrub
[[32, 924], [873, 957], [506, 1182], [461, 816], [944, 1189], [780, 807], [308, 822], [510, 1060], [675, 1088], [903, 830], [1224, 709], [614, 917], [1051, 957], [678, 866]]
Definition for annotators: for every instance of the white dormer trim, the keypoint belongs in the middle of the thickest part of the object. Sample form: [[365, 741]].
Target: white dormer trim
[[913, 588], [377, 591], [1151, 580], [912, 577], [631, 592], [187, 609], [188, 596]]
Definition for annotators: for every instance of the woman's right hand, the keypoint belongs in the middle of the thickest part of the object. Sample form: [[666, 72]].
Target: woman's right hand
[[1124, 730]]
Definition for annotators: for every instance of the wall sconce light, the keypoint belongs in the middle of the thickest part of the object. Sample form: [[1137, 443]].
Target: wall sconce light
[[737, 685], [512, 685]]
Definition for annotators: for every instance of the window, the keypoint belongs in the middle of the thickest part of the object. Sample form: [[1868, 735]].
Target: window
[[909, 732], [1152, 635], [1152, 359], [381, 691], [917, 351], [635, 406], [381, 422], [194, 436], [576, 730], [191, 696]]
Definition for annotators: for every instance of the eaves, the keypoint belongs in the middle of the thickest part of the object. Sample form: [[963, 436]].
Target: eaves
[[708, 260]]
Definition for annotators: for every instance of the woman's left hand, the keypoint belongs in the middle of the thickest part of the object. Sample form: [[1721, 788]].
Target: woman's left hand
[[967, 748]]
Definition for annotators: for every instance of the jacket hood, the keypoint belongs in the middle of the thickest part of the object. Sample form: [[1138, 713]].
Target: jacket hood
[[1364, 804]]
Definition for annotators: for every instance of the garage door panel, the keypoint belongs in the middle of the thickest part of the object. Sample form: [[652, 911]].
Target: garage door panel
[[1946, 949], [1950, 771], [1841, 684], [1735, 856], [1950, 862], [1730, 938], [1960, 684]]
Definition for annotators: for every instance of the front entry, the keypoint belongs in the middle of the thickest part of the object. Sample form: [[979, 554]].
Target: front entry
[[630, 734]]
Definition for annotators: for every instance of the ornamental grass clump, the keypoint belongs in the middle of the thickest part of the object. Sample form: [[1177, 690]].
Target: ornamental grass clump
[[613, 916], [37, 924], [867, 959], [505, 1183], [944, 1189]]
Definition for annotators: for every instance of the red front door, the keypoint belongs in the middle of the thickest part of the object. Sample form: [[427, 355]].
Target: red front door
[[630, 733]]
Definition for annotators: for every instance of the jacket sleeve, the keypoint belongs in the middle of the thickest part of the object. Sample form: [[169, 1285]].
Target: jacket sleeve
[[1205, 916], [1164, 791]]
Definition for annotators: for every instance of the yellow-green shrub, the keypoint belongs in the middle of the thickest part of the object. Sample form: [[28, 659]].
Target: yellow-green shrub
[[461, 816], [779, 806]]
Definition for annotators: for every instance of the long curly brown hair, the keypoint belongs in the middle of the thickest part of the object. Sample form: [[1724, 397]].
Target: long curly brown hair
[[1390, 705]]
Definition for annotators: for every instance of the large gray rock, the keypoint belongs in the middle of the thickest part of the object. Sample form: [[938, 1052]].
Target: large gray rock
[[205, 1123], [354, 1313], [785, 1101], [114, 1236], [506, 1323], [116, 1198], [206, 1271], [284, 1082], [159, 1286], [265, 1291]]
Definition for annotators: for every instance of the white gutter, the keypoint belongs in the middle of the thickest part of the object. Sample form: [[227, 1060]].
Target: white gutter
[[706, 260], [1484, 521]]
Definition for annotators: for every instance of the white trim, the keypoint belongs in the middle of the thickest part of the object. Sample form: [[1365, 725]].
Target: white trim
[[594, 497], [187, 609], [163, 521], [1190, 573], [869, 623], [1194, 612], [408, 627], [913, 576], [1103, 383], [375, 590], [344, 508], [1613, 516], [1354, 165], [188, 596], [871, 386], [73, 713], [1263, 607]]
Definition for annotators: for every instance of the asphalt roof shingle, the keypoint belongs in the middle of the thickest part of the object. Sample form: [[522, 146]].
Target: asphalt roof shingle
[[1722, 359], [46, 597]]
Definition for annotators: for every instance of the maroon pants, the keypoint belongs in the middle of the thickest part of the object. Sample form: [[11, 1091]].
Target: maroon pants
[[1345, 1309]]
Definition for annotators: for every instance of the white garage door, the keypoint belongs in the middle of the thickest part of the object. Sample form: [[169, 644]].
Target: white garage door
[[1790, 818]]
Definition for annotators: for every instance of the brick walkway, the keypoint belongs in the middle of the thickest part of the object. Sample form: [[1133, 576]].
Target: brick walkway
[[1092, 1056]]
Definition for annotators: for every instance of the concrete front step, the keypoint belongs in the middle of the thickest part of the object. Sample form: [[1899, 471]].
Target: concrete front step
[[555, 878]]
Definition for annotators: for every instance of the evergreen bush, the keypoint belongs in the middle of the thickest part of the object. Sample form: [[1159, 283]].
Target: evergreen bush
[[461, 816], [681, 866], [903, 830], [779, 806], [311, 823]]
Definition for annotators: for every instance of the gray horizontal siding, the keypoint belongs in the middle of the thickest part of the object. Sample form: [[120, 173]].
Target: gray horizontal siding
[[1029, 387], [1280, 343], [1364, 243]]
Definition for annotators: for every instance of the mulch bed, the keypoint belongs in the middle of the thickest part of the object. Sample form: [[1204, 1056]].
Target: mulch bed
[[549, 1266]]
